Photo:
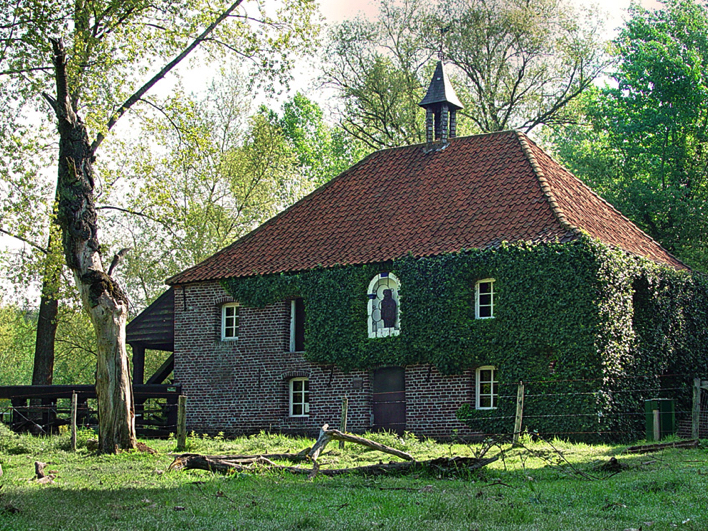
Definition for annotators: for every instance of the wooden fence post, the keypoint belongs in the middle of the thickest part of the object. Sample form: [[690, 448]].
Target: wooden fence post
[[519, 413], [343, 422], [696, 413], [74, 408], [181, 423]]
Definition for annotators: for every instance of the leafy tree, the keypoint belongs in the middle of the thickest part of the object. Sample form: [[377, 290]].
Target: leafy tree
[[101, 52], [378, 70], [16, 341], [522, 62], [322, 151], [644, 143], [514, 63], [212, 173]]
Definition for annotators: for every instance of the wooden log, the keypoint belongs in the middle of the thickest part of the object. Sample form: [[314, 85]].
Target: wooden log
[[696, 411], [39, 469], [217, 463], [327, 435], [214, 464], [646, 448], [343, 422], [519, 413]]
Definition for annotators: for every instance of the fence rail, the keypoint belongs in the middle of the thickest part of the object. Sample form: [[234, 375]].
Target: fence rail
[[42, 409]]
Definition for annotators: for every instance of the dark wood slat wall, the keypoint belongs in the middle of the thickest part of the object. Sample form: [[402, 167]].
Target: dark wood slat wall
[[154, 327]]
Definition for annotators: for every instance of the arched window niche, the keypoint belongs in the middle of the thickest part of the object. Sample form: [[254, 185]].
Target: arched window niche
[[384, 306]]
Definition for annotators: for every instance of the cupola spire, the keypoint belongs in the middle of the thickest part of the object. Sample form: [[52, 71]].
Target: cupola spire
[[441, 105]]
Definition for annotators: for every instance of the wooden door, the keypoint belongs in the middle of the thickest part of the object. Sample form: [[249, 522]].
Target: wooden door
[[390, 399]]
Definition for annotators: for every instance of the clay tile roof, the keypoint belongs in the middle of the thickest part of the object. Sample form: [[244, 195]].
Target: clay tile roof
[[474, 193]]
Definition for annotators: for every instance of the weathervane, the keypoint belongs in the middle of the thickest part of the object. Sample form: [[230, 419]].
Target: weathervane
[[443, 31]]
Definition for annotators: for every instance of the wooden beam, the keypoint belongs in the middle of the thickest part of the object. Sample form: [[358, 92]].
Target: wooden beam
[[138, 364], [163, 372]]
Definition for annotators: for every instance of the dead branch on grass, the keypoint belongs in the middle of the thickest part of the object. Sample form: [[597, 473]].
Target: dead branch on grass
[[230, 464]]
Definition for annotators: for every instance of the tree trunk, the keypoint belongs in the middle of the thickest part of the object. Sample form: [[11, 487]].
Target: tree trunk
[[44, 344], [47, 322], [101, 296]]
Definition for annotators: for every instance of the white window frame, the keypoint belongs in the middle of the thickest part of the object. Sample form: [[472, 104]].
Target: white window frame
[[224, 327], [375, 295], [478, 387], [305, 402], [477, 294]]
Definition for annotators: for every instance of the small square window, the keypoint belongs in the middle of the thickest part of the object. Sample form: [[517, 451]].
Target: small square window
[[299, 397], [487, 388], [484, 299], [229, 322]]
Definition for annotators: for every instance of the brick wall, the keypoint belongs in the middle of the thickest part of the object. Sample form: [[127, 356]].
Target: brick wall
[[242, 386]]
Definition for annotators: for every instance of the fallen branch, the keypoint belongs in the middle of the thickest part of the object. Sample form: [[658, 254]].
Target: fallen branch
[[327, 435], [646, 448], [214, 464], [226, 464]]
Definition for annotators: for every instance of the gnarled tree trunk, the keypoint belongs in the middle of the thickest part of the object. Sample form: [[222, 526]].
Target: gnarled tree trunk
[[102, 299]]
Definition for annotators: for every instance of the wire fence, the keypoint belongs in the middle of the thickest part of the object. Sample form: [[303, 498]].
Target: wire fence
[[595, 410]]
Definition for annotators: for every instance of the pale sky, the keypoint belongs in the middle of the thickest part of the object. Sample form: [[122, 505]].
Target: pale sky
[[337, 10]]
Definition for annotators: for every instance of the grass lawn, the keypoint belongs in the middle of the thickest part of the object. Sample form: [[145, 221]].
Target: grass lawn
[[531, 488]]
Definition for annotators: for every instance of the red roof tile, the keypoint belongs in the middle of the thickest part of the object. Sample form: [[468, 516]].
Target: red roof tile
[[476, 192]]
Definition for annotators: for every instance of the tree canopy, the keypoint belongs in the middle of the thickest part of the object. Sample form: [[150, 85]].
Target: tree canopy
[[514, 63], [643, 142]]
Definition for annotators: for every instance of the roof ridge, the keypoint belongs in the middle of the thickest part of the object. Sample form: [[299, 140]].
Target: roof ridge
[[525, 143], [545, 186]]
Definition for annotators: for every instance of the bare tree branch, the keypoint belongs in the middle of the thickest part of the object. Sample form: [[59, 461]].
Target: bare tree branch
[[162, 73], [24, 240]]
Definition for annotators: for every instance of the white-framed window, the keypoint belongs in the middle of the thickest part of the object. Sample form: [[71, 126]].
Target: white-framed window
[[384, 306], [486, 387], [229, 321], [299, 397], [297, 325], [484, 299]]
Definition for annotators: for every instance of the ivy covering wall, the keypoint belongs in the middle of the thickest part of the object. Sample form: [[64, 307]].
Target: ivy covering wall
[[575, 312]]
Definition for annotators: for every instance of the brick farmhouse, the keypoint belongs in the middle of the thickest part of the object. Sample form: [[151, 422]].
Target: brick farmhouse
[[245, 367]]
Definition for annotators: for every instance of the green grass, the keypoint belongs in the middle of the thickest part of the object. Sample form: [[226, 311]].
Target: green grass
[[532, 488]]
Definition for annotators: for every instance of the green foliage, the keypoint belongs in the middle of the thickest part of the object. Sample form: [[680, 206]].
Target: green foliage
[[322, 151], [568, 320], [437, 313], [75, 348], [17, 333], [212, 173], [644, 140]]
